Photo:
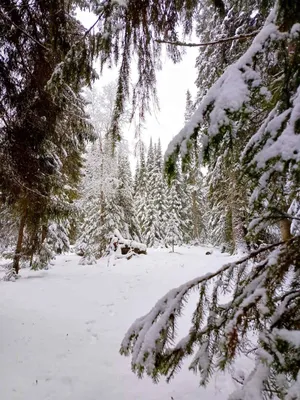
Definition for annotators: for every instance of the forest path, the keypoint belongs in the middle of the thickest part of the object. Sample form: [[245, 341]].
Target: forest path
[[61, 329]]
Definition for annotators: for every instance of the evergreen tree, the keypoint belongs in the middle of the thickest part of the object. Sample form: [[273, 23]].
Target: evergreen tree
[[43, 126], [183, 198], [189, 107], [190, 187], [140, 192], [159, 194], [237, 18], [150, 215], [258, 122], [124, 197], [174, 234], [107, 200], [107, 188], [152, 201], [98, 198]]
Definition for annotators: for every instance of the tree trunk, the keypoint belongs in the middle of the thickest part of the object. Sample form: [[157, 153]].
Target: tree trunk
[[240, 244], [238, 233], [285, 229], [18, 251], [195, 213]]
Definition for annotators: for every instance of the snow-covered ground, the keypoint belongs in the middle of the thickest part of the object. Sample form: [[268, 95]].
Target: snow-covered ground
[[61, 329]]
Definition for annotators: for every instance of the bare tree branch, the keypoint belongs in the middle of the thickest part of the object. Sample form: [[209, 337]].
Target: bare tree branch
[[229, 39]]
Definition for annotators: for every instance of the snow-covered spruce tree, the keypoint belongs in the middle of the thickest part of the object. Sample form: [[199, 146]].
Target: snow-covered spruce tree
[[89, 202], [43, 126], [184, 200], [173, 231], [56, 241], [189, 106], [116, 202], [232, 18], [124, 196], [152, 201], [140, 192], [261, 314], [197, 199], [98, 196], [226, 183], [227, 198], [150, 214], [159, 193], [188, 182], [106, 194], [107, 199]]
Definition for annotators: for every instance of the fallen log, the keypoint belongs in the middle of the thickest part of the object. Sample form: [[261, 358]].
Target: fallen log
[[128, 246]]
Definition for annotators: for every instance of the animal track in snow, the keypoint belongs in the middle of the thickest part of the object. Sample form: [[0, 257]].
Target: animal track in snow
[[90, 329], [90, 321]]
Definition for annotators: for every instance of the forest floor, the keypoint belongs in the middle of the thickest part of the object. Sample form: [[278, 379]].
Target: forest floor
[[61, 329]]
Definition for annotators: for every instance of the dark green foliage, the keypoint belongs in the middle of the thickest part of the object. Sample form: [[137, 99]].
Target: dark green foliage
[[43, 125]]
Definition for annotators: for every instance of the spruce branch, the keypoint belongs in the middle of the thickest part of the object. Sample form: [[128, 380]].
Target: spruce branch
[[22, 30], [219, 331], [157, 322], [212, 43]]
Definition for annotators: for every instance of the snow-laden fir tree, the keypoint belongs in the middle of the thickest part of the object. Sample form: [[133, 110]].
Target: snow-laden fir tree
[[227, 200], [173, 229], [154, 218], [128, 227], [194, 180], [116, 200], [151, 196], [150, 227], [106, 203], [43, 124], [140, 192], [56, 241], [184, 201], [99, 190], [159, 192], [196, 201]]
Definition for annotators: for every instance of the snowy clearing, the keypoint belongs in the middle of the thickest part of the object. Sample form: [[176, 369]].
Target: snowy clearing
[[61, 329]]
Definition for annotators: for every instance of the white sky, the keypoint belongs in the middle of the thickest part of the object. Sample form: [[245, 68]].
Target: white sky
[[172, 83]]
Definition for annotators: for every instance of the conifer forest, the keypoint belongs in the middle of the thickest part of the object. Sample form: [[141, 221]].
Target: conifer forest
[[185, 258]]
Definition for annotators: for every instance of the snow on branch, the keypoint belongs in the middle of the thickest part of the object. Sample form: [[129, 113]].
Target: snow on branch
[[229, 94], [204, 44], [287, 145], [281, 143], [220, 331]]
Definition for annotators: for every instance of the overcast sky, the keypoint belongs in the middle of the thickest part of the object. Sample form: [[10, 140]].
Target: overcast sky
[[172, 83]]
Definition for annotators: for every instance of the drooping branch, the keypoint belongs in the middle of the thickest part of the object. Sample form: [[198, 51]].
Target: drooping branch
[[223, 40], [162, 308], [219, 330]]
